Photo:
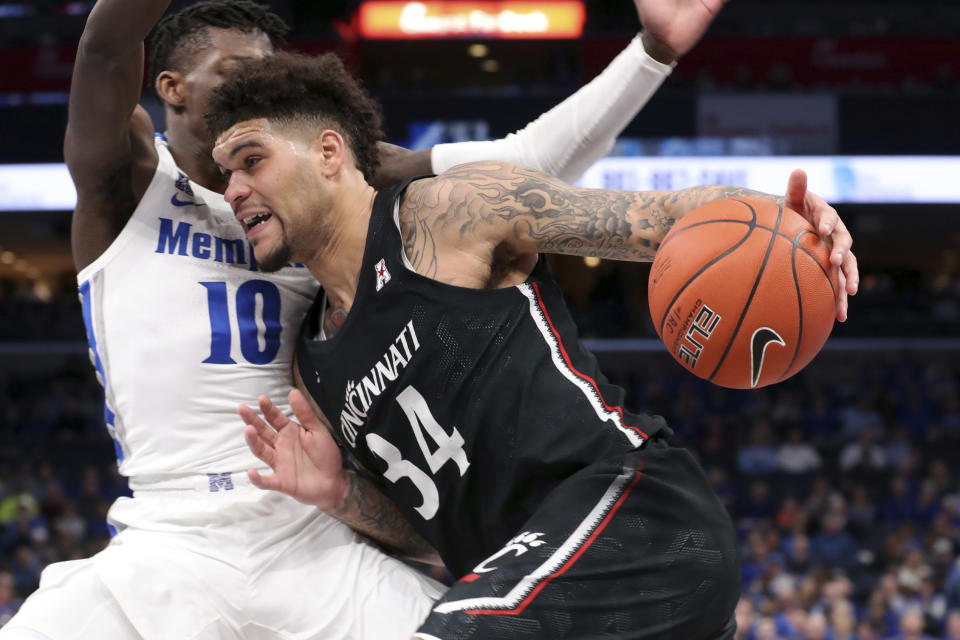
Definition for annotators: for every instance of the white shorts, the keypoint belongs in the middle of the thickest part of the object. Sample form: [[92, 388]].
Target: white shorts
[[231, 563]]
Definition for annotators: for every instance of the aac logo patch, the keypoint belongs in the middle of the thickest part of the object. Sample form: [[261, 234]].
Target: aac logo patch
[[383, 276]]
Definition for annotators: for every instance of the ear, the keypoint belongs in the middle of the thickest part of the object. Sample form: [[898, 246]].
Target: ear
[[331, 150], [172, 88]]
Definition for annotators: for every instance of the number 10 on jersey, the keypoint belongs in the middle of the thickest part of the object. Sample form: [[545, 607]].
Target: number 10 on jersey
[[255, 349]]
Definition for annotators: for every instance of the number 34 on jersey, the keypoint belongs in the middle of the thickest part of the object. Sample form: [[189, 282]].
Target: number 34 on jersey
[[448, 447]]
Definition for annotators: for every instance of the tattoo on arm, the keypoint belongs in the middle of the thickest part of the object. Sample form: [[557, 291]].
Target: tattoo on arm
[[539, 213], [546, 215], [371, 513], [693, 197], [419, 244]]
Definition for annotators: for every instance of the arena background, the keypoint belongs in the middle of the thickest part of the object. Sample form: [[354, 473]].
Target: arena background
[[843, 481]]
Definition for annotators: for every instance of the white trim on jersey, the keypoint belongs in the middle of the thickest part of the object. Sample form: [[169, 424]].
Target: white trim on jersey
[[587, 386], [564, 553]]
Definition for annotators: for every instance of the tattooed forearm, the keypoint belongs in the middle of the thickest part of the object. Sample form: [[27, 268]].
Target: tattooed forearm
[[692, 197], [527, 211], [367, 511], [543, 214]]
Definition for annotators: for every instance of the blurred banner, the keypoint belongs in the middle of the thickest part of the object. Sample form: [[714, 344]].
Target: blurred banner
[[808, 123], [839, 179], [401, 20]]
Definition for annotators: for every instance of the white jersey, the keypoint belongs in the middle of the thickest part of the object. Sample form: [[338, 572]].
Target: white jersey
[[183, 327]]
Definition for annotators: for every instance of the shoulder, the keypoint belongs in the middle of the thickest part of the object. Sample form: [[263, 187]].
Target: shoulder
[[473, 183], [109, 189], [95, 169]]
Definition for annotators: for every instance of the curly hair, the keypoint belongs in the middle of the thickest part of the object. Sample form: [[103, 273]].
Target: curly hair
[[297, 88], [184, 32]]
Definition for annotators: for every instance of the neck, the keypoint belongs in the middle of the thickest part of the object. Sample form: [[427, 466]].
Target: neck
[[336, 263], [193, 156]]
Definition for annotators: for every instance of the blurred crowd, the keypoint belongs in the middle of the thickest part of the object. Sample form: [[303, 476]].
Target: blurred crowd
[[841, 482], [843, 487]]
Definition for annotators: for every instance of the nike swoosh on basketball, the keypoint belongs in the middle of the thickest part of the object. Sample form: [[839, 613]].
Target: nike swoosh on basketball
[[762, 337], [185, 203]]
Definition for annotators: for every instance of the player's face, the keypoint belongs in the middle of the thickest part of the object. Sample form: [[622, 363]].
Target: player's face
[[273, 190], [227, 49]]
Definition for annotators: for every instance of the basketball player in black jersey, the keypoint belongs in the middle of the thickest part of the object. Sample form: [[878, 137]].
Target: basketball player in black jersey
[[457, 378]]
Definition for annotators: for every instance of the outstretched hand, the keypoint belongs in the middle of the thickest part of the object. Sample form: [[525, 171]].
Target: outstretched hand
[[676, 25], [306, 462], [828, 224]]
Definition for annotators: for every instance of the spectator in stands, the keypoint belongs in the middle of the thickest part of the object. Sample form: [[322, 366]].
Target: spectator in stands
[[899, 448], [843, 620], [745, 622], [952, 630], [9, 602], [760, 456], [797, 456], [759, 506], [899, 503], [820, 421], [766, 629], [862, 512], [834, 546], [911, 626], [816, 627], [861, 416], [863, 459]]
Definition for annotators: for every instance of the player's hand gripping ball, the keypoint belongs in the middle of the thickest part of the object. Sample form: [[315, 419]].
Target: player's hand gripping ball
[[741, 292]]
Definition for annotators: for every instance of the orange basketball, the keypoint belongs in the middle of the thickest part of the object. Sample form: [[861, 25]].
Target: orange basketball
[[742, 293]]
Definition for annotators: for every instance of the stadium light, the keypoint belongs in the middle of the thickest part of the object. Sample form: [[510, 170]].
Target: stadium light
[[393, 20]]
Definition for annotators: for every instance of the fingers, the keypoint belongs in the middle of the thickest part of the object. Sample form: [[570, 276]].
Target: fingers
[[841, 294], [842, 259], [303, 411], [263, 430], [797, 192], [277, 418], [260, 447], [831, 228], [262, 481], [851, 272], [840, 238]]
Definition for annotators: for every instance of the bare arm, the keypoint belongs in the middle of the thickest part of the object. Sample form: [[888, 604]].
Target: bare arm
[[368, 511], [108, 135], [481, 225], [308, 466], [398, 163], [505, 206]]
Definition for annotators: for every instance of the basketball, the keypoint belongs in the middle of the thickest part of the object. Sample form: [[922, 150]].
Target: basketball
[[742, 293]]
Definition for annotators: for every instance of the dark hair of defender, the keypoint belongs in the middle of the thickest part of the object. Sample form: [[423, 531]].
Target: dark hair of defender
[[292, 87], [181, 34]]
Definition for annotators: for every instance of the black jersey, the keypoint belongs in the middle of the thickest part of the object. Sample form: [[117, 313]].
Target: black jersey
[[472, 404]]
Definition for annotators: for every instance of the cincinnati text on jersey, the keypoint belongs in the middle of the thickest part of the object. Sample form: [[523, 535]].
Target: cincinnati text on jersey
[[360, 395]]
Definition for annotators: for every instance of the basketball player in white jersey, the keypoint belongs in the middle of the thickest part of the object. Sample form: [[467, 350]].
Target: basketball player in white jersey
[[183, 326]]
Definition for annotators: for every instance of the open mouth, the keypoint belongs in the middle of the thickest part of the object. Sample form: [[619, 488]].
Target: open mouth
[[255, 221]]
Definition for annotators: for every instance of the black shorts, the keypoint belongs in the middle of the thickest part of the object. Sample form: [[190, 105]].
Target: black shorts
[[632, 547]]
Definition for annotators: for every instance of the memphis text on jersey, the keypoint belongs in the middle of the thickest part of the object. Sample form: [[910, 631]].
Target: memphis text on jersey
[[360, 395], [184, 241]]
